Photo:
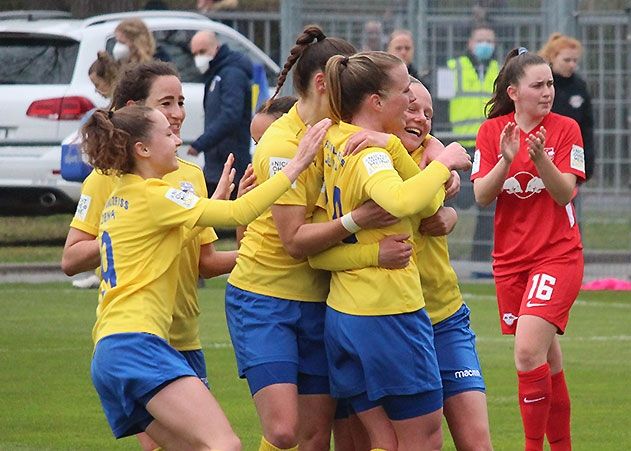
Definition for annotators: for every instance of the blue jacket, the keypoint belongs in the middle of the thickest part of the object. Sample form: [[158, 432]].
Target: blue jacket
[[227, 113]]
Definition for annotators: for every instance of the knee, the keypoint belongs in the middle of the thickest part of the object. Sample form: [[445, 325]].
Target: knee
[[282, 436], [228, 442], [527, 359]]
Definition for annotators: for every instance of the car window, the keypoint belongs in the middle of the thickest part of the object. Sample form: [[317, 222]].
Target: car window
[[27, 59], [174, 46]]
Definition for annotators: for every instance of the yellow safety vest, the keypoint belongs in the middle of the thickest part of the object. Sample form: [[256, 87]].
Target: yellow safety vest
[[466, 108]]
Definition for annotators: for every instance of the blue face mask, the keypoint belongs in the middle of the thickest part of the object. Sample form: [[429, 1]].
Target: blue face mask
[[483, 50]]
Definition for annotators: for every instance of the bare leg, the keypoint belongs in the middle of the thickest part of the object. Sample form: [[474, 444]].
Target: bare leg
[[381, 432], [350, 435], [420, 433], [468, 421], [277, 408], [186, 412], [316, 414]]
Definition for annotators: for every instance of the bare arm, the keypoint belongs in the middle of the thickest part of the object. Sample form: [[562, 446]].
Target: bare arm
[[302, 239], [215, 263], [81, 252], [560, 185], [487, 188]]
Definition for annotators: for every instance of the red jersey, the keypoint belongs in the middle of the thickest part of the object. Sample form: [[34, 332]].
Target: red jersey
[[529, 225]]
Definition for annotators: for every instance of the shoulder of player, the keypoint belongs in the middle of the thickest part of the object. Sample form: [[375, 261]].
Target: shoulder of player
[[185, 165], [560, 122], [279, 140]]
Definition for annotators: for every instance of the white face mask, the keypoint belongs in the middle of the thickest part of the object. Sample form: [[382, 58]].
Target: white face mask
[[202, 62], [120, 51]]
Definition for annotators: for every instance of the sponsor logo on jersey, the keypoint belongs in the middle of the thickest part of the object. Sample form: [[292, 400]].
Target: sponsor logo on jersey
[[82, 207], [515, 185], [509, 318], [467, 373], [576, 101], [476, 161], [376, 162], [276, 164], [577, 158], [184, 199]]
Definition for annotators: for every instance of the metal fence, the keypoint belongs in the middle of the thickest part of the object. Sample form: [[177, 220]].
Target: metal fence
[[442, 28]]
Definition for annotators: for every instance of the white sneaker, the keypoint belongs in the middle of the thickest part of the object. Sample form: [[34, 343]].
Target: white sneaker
[[92, 281]]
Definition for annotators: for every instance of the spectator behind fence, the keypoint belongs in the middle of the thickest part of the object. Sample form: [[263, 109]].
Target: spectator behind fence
[[373, 37], [572, 98], [227, 106], [473, 77], [401, 44], [135, 43]]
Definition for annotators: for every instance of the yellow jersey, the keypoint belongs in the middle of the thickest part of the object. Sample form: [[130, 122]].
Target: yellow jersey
[[263, 266], [96, 189], [438, 278], [141, 233], [370, 174]]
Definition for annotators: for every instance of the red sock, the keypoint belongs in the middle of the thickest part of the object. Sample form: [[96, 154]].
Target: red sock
[[558, 427], [534, 403]]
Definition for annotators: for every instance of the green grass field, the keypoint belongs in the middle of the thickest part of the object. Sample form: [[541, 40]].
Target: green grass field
[[47, 400]]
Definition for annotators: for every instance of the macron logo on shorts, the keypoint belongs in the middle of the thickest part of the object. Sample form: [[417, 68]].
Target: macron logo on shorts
[[467, 373]]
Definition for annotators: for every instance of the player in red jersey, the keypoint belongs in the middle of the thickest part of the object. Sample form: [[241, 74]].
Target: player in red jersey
[[530, 160]]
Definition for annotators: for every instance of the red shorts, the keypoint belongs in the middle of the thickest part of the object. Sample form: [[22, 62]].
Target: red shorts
[[546, 290]]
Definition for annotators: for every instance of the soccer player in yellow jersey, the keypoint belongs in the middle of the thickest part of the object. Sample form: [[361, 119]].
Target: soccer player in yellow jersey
[[274, 299], [463, 386], [143, 382], [155, 84], [389, 376]]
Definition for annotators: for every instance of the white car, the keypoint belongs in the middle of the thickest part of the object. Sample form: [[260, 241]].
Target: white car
[[45, 90]]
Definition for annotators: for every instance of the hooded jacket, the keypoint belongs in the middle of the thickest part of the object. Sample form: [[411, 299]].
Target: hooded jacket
[[227, 113]]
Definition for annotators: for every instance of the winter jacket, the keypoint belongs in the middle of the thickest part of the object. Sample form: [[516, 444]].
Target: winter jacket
[[227, 113], [572, 99]]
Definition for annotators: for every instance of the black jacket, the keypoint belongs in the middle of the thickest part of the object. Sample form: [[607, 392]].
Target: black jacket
[[572, 99], [227, 113]]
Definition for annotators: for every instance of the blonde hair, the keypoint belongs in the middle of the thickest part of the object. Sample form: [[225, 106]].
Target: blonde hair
[[142, 46], [556, 43], [349, 79]]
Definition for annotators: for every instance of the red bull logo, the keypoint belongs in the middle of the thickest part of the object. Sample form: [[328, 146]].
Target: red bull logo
[[523, 185]]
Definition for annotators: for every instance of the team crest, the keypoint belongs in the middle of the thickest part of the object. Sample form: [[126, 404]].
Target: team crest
[[509, 318], [549, 151], [576, 101], [187, 187]]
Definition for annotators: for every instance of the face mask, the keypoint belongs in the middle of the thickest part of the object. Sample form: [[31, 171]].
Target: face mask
[[483, 50], [202, 62], [120, 51]]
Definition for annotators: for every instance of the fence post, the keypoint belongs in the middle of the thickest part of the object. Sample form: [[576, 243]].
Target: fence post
[[290, 26], [559, 16]]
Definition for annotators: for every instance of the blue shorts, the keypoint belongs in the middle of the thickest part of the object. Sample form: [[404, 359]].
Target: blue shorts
[[266, 329], [127, 371], [460, 368], [197, 362], [389, 355]]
